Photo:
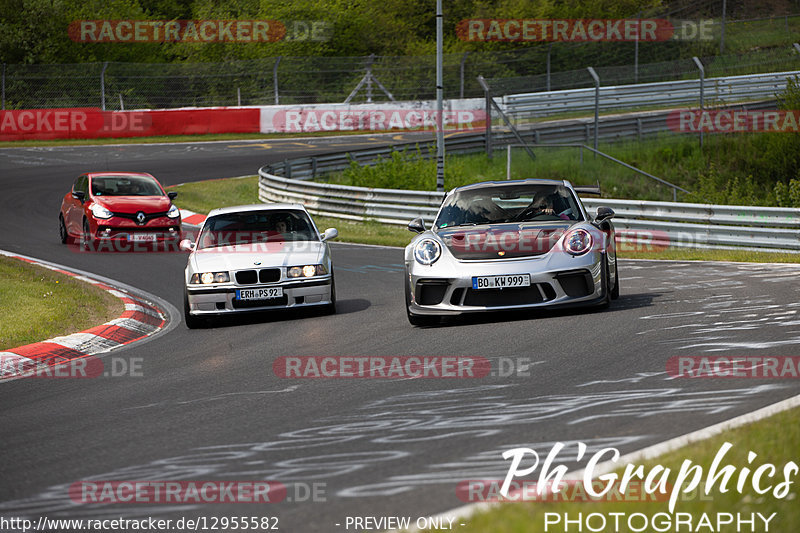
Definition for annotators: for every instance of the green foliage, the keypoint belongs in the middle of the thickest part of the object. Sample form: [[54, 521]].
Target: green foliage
[[788, 195]]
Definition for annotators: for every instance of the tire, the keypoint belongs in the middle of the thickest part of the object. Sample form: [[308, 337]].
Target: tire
[[330, 309], [615, 290], [417, 320], [87, 242], [606, 282], [62, 230], [192, 322]]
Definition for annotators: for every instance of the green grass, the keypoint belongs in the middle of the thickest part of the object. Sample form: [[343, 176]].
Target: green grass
[[203, 196], [773, 439], [40, 304], [729, 169]]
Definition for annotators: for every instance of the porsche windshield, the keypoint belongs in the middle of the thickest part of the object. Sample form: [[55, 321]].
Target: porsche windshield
[[248, 227], [508, 203], [125, 186]]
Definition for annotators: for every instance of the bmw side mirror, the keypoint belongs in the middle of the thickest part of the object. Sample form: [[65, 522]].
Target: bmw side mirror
[[603, 213], [172, 195], [330, 233], [416, 225], [186, 245], [80, 195]]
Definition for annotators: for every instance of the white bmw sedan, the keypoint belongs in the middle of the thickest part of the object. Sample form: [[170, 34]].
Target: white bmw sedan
[[256, 258]]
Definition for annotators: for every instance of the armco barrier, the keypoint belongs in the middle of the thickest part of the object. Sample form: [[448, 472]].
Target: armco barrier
[[716, 91], [646, 223]]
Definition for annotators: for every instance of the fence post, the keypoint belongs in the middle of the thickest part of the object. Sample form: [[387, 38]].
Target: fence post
[[636, 48], [275, 78], [549, 47], [702, 88], [121, 105], [596, 105], [4, 86], [463, 61], [488, 95], [239, 96], [797, 47], [508, 162], [103, 86], [722, 35], [368, 77]]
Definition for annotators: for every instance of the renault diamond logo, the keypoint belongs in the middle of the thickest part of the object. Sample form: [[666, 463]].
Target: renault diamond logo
[[140, 218]]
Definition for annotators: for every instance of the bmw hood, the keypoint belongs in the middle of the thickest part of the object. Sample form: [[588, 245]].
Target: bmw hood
[[524, 239], [257, 255]]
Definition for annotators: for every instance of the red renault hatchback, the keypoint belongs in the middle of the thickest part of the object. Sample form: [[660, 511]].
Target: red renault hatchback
[[107, 209]]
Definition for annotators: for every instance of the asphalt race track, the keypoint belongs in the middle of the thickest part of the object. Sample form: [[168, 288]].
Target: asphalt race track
[[209, 407]]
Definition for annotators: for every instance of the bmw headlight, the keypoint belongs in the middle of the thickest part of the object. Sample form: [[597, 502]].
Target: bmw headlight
[[206, 278], [100, 212], [306, 271], [174, 212], [427, 251], [578, 242]]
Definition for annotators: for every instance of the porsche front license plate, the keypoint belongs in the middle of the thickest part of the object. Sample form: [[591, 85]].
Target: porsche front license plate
[[259, 294], [142, 237], [501, 282]]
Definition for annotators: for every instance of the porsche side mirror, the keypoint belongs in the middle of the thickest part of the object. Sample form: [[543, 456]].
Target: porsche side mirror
[[416, 225], [603, 213], [172, 195], [186, 245], [330, 233]]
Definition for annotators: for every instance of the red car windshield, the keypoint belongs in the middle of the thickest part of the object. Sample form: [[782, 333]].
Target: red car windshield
[[125, 186]]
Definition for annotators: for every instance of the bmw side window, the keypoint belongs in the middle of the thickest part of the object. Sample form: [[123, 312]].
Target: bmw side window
[[83, 185], [77, 185]]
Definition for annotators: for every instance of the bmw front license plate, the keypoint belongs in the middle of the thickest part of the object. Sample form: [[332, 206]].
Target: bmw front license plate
[[268, 293], [501, 282]]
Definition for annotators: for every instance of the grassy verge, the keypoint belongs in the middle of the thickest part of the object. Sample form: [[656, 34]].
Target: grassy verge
[[773, 439], [730, 169], [41, 304], [203, 196]]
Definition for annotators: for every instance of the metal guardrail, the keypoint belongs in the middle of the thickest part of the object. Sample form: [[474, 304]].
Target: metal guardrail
[[624, 127], [670, 93], [646, 223]]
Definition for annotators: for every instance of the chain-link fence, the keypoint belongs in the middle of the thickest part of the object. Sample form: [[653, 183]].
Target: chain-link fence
[[315, 79]]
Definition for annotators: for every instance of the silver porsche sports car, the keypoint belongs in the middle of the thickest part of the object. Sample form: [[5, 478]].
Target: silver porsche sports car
[[257, 257], [510, 245]]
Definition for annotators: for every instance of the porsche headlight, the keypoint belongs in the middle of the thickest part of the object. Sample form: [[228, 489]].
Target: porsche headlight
[[578, 242], [174, 212], [100, 212], [427, 251], [306, 271], [206, 278]]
